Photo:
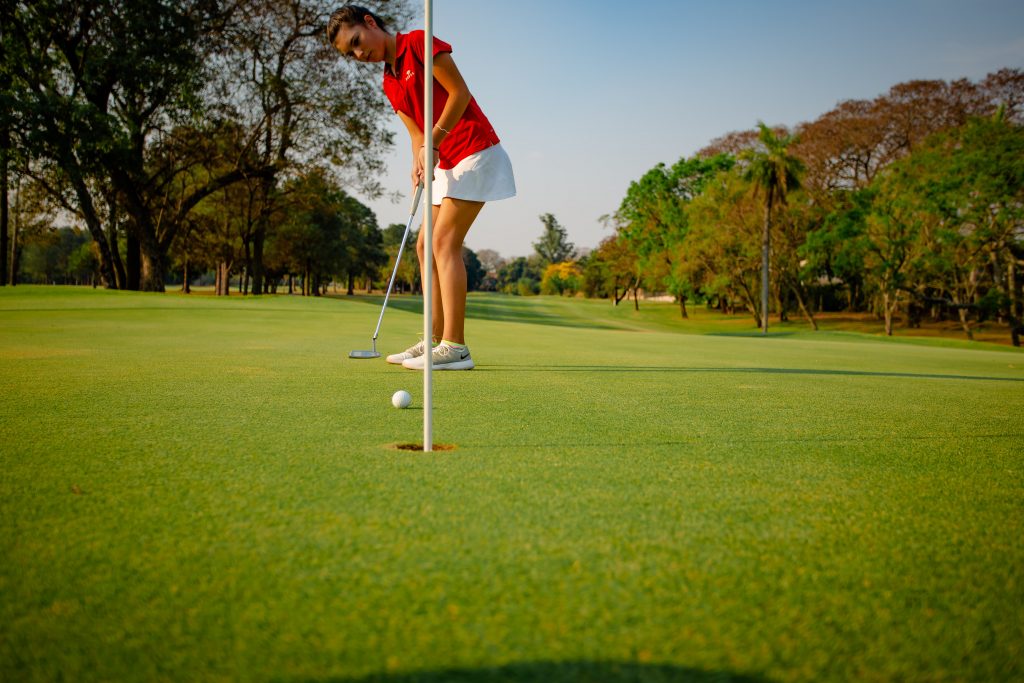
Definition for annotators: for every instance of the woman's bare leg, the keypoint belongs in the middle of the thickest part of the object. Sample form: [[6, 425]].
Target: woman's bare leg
[[436, 307], [452, 221]]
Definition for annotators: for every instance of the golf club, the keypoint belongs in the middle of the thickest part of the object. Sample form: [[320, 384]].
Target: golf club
[[373, 353]]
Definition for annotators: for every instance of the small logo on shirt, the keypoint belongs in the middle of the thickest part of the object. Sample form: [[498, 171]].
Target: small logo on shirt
[[408, 74]]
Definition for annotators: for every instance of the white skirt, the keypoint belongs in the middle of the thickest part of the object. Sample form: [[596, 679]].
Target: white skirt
[[482, 177]]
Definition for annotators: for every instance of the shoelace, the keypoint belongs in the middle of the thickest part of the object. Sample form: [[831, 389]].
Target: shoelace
[[444, 351]]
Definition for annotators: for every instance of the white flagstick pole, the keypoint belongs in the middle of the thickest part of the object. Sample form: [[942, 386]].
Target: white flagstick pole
[[428, 220]]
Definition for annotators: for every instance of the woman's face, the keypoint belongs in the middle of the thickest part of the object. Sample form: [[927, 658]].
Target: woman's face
[[364, 42]]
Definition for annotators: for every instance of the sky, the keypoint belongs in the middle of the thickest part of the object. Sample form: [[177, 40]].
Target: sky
[[587, 96]]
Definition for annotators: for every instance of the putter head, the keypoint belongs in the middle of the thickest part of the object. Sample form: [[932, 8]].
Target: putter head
[[363, 354]]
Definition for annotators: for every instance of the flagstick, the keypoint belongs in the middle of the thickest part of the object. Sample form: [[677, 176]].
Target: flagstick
[[428, 227]]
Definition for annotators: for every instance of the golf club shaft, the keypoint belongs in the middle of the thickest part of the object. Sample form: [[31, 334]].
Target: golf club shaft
[[398, 260]]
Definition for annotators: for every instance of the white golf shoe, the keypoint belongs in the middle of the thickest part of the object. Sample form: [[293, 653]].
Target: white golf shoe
[[445, 357], [414, 351]]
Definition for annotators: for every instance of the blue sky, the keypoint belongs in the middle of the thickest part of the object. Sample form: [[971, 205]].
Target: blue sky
[[587, 96]]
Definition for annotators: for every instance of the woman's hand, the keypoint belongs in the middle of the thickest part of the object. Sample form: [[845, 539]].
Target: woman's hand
[[419, 163]]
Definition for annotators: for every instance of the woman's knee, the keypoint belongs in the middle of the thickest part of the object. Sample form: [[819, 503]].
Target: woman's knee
[[447, 245], [419, 246]]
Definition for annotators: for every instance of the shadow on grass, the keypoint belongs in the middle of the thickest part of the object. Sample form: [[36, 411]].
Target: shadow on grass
[[755, 371], [559, 672], [491, 309]]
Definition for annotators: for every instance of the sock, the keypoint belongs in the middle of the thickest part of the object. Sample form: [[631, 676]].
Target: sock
[[453, 344]]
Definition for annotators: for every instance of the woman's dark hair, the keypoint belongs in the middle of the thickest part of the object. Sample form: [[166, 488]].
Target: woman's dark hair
[[352, 15]]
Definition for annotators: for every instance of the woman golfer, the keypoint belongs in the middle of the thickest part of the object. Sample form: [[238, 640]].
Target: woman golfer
[[472, 168]]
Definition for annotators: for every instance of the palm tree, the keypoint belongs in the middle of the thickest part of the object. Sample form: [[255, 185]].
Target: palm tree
[[776, 173]]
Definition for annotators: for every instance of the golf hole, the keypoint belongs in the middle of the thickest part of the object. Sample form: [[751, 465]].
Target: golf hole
[[419, 446]]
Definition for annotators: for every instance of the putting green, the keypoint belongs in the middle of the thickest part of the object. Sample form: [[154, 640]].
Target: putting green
[[200, 488]]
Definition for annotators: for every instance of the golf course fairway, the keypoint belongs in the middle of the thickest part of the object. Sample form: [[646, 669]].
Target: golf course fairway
[[200, 488]]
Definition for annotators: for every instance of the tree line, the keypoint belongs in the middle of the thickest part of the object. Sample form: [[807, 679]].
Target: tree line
[[910, 206], [223, 137], [189, 136]]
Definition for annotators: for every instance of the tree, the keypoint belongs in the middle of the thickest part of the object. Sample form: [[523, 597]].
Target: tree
[[100, 84], [792, 230], [560, 278], [520, 276], [774, 173], [310, 238], [891, 233], [961, 196], [491, 261], [611, 269], [834, 249], [554, 245], [364, 252], [297, 100], [408, 270], [30, 219], [721, 254], [58, 256], [652, 219], [5, 146], [116, 102], [474, 269]]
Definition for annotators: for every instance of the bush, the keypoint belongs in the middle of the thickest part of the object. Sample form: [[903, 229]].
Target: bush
[[562, 278], [527, 287]]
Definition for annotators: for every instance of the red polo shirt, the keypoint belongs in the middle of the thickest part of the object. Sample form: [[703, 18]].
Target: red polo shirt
[[470, 135]]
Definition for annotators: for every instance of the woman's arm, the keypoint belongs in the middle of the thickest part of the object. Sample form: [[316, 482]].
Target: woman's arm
[[416, 138], [447, 74]]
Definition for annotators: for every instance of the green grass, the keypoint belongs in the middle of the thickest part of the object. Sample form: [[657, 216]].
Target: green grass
[[201, 489]]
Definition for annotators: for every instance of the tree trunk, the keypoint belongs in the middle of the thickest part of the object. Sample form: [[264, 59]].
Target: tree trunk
[[243, 285], [351, 285], [964, 322], [223, 278], [153, 270], [15, 224], [133, 269], [1011, 284], [110, 239], [117, 264], [804, 309], [184, 279], [258, 273], [887, 310], [765, 248], [88, 210], [618, 297], [291, 283], [780, 301], [4, 207], [682, 307], [749, 298], [1016, 325]]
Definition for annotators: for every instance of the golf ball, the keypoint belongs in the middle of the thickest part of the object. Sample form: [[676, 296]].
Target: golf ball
[[401, 399]]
